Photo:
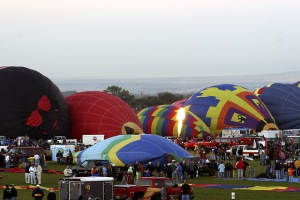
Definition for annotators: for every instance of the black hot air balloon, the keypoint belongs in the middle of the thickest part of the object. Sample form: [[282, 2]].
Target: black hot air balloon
[[31, 104]]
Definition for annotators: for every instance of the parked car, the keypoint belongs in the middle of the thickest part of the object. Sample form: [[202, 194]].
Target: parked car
[[85, 168]]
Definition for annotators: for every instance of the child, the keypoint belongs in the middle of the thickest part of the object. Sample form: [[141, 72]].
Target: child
[[291, 174]]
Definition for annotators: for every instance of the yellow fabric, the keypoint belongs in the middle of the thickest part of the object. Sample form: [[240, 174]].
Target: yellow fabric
[[263, 188], [150, 192]]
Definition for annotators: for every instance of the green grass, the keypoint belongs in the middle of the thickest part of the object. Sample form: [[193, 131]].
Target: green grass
[[51, 180]]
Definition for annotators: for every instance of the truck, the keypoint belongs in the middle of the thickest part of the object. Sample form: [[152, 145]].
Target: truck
[[92, 139], [270, 134], [237, 132], [248, 151], [61, 140], [96, 188], [85, 168], [138, 190]]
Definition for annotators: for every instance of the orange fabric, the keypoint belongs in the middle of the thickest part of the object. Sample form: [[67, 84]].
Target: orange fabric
[[291, 171], [297, 164]]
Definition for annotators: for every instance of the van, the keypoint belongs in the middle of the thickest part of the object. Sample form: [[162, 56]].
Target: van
[[29, 151]]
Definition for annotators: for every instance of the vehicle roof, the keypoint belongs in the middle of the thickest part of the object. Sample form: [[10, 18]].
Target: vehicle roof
[[153, 177], [27, 148], [92, 178]]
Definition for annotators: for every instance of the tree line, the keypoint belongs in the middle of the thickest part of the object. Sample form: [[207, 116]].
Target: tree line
[[140, 102]]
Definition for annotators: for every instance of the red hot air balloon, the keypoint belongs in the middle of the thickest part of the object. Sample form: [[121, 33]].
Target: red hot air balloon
[[95, 112]]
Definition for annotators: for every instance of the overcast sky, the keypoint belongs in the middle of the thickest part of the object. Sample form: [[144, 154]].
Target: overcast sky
[[155, 38]]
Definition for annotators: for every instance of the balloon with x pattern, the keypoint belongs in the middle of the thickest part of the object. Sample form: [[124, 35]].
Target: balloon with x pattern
[[226, 105]]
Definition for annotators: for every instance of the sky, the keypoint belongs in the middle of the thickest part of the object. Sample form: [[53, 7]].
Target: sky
[[150, 38]]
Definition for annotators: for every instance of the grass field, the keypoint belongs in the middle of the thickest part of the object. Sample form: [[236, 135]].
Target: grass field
[[51, 180]]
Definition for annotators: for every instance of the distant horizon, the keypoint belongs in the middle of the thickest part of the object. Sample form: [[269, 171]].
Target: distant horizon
[[171, 77], [181, 85]]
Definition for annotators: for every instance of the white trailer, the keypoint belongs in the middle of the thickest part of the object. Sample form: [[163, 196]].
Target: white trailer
[[270, 134], [87, 188], [92, 139], [237, 132]]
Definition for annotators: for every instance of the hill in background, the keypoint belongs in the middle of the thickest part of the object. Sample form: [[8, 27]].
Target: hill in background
[[181, 85]]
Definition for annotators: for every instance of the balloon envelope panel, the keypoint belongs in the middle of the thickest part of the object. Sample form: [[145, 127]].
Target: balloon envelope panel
[[283, 101], [162, 120], [31, 104], [227, 105], [127, 149], [95, 112]]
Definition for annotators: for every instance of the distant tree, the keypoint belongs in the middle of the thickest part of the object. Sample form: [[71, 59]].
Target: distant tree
[[119, 92], [68, 93]]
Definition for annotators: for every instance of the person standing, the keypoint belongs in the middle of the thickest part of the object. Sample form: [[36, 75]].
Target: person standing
[[291, 172], [228, 170], [185, 191], [7, 161], [14, 192], [32, 171], [68, 171], [7, 193], [169, 171], [221, 169], [104, 170], [24, 160], [39, 171], [158, 169], [277, 169], [240, 168], [179, 172], [42, 160], [51, 195], [36, 159], [173, 165], [192, 170], [59, 156], [246, 164], [37, 193], [70, 157], [27, 173]]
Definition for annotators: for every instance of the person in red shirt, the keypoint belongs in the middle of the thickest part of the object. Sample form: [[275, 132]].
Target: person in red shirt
[[239, 166]]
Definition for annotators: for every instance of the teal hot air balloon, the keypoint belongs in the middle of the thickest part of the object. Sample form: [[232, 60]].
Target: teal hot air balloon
[[127, 149]]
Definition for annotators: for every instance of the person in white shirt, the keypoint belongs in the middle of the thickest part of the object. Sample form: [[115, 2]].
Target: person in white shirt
[[104, 170], [68, 172], [32, 171], [36, 159], [7, 161], [39, 171]]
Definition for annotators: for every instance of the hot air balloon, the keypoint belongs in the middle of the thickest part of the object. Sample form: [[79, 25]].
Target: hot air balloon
[[297, 84], [127, 149], [95, 112], [163, 120], [283, 101], [31, 104], [226, 105], [179, 103]]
